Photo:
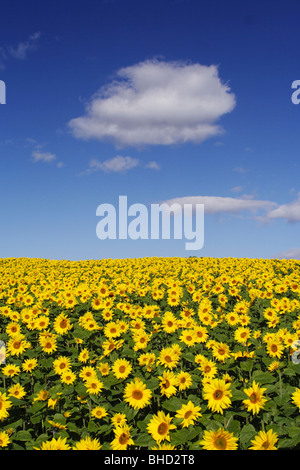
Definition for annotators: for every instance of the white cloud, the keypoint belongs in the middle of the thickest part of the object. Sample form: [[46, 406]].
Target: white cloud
[[22, 49], [39, 156], [118, 164], [221, 205], [293, 253], [153, 165], [290, 211], [157, 102]]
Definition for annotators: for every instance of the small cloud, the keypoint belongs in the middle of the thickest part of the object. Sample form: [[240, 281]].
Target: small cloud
[[237, 189], [152, 165], [118, 164], [241, 170], [43, 156], [21, 50], [293, 253]]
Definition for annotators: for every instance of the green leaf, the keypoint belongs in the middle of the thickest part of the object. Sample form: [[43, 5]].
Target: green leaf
[[247, 434], [173, 404], [263, 377], [22, 436]]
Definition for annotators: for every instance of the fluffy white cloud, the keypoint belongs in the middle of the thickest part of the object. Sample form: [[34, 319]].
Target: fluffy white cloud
[[290, 211], [220, 205], [157, 102]]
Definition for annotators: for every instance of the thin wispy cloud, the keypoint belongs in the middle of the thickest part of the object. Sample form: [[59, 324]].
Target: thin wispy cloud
[[118, 164], [222, 205], [23, 48], [293, 253], [157, 103], [43, 156], [19, 51]]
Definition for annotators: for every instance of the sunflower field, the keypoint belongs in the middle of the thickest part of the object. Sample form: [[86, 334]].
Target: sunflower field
[[151, 353]]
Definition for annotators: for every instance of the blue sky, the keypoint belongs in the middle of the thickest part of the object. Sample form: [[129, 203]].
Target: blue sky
[[161, 100]]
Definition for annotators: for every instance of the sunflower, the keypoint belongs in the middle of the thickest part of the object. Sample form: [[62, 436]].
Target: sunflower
[[188, 414], [121, 368], [169, 322], [118, 419], [188, 337], [136, 394], [13, 328], [84, 355], [62, 324], [67, 377], [104, 368], [148, 360], [4, 439], [122, 438], [94, 385], [54, 444], [296, 397], [221, 351], [256, 400], [208, 368], [168, 383], [17, 345], [17, 391], [10, 370], [5, 404], [99, 412], [219, 440], [218, 395], [168, 358], [141, 340], [242, 334], [87, 372], [275, 348], [61, 364], [264, 441], [87, 443], [160, 426], [184, 380]]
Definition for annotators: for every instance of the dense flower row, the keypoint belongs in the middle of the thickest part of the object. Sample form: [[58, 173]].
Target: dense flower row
[[152, 353]]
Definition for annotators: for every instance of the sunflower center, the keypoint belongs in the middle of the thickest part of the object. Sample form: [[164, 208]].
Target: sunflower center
[[220, 443], [265, 445], [137, 395], [221, 351], [218, 394], [122, 369], [166, 384], [253, 398], [188, 414], [168, 359], [123, 439], [274, 348], [162, 428]]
